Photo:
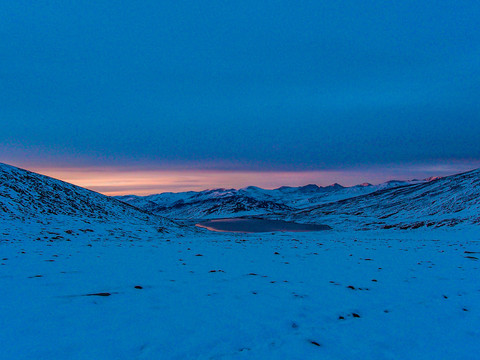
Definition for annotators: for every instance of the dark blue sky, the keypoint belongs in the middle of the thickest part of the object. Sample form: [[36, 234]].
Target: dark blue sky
[[248, 85]]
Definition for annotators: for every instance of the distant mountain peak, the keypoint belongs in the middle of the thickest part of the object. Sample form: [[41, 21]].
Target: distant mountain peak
[[251, 187], [309, 187], [432, 178], [335, 185], [394, 181], [365, 184]]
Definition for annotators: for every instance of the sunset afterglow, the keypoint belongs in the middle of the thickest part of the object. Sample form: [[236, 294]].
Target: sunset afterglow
[[123, 181]]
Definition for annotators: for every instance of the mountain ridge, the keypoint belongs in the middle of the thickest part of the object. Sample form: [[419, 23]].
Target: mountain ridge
[[250, 200], [443, 201], [26, 196]]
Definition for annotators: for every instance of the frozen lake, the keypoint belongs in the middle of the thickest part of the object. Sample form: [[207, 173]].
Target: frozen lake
[[245, 225]]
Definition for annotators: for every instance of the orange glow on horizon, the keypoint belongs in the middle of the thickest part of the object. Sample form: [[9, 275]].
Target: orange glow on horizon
[[134, 181], [113, 181]]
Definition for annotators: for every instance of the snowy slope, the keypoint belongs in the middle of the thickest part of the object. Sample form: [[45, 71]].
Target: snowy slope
[[441, 202], [299, 199], [35, 198]]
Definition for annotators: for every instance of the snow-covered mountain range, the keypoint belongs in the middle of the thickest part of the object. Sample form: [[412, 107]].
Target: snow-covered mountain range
[[26, 197], [251, 200]]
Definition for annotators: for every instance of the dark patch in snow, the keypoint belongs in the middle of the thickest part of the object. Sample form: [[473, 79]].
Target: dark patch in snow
[[99, 294]]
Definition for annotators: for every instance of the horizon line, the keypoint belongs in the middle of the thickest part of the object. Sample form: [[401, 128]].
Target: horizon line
[[117, 181]]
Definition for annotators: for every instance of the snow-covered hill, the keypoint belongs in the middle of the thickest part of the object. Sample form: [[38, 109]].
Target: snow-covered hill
[[206, 204], [440, 202], [27, 197]]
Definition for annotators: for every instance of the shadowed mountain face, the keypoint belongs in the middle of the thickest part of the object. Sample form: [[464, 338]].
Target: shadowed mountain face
[[447, 201], [197, 207], [27, 196]]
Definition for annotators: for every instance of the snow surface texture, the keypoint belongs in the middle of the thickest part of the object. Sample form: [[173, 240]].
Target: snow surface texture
[[83, 276], [327, 295]]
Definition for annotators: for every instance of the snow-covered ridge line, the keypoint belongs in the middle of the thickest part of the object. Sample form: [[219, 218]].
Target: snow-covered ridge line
[[28, 196]]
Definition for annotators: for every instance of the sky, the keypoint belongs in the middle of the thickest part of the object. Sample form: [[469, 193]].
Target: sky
[[140, 96]]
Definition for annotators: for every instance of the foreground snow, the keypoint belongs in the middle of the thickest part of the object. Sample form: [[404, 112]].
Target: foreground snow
[[215, 295]]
